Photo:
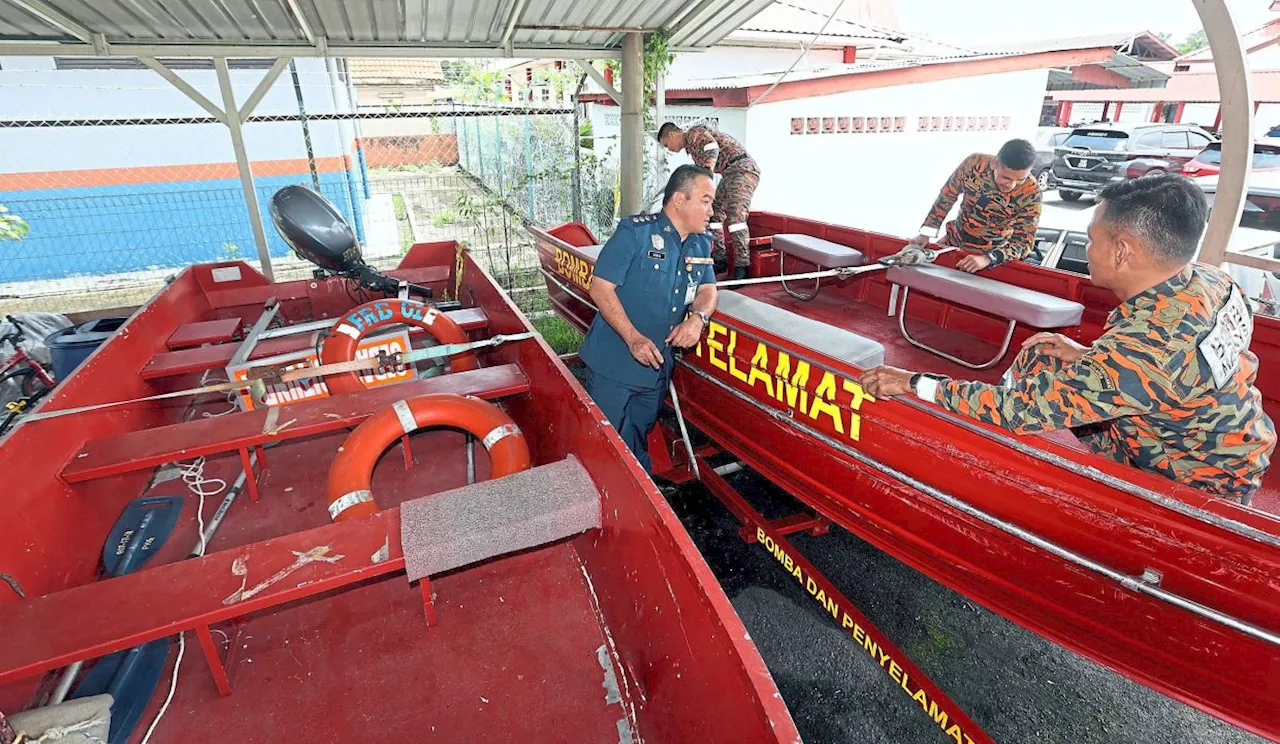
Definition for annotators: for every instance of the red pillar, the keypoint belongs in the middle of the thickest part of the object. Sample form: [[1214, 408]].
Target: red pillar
[[1177, 115], [850, 55], [1106, 109], [1119, 106]]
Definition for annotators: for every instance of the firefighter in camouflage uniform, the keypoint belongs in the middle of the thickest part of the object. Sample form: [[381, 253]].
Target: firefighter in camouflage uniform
[[1169, 386], [739, 176]]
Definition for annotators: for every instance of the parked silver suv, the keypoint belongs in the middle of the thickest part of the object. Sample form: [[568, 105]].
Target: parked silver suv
[[1098, 154]]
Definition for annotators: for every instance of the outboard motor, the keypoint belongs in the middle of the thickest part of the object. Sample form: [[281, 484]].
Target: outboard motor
[[318, 233]]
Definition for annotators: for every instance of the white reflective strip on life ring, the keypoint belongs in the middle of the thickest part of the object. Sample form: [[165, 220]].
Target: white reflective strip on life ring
[[737, 227], [505, 430], [348, 501], [405, 415], [349, 330]]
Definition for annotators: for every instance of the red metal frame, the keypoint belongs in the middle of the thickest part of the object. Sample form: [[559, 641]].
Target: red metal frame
[[858, 482], [771, 534]]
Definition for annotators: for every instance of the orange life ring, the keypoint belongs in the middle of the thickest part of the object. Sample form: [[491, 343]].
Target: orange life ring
[[351, 473], [345, 335]]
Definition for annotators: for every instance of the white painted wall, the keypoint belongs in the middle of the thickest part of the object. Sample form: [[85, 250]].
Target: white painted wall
[[884, 181], [30, 88], [1203, 114], [1135, 113]]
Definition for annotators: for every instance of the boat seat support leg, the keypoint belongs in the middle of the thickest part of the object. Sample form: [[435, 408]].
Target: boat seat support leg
[[428, 601], [251, 477], [211, 655], [902, 326], [782, 271], [408, 453]]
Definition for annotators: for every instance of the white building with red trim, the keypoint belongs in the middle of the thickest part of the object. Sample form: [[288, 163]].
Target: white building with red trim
[[867, 141], [1191, 94]]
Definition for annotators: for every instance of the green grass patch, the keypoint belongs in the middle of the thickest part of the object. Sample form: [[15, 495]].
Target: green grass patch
[[562, 337], [402, 221]]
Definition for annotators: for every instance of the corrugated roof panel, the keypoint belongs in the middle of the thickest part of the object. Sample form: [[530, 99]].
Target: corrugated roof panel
[[230, 23]]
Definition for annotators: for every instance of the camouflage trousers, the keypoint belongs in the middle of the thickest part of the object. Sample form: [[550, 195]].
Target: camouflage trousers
[[729, 210]]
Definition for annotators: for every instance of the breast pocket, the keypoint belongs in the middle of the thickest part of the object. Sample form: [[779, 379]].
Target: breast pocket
[[657, 276]]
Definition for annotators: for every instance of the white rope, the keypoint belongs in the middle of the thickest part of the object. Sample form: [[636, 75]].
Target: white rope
[[61, 732], [193, 476], [173, 686], [688, 445]]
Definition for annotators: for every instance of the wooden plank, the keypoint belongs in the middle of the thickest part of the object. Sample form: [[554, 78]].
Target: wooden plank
[[143, 450], [190, 335], [49, 632], [185, 361]]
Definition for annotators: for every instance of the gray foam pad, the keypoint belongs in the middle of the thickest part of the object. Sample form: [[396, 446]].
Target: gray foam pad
[[470, 524]]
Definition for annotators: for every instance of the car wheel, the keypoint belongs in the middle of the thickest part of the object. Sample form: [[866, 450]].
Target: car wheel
[[1068, 195], [1044, 179]]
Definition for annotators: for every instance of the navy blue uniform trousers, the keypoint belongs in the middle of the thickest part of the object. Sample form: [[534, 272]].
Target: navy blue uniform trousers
[[632, 410]]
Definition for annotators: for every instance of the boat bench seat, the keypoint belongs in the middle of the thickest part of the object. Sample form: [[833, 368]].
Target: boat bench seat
[[825, 339], [821, 253], [1015, 304], [1026, 306]]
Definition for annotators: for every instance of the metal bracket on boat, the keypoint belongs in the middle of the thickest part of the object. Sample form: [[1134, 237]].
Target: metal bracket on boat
[[914, 255], [258, 378]]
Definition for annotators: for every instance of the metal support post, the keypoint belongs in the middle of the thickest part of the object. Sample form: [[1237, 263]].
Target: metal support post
[[242, 163], [632, 123]]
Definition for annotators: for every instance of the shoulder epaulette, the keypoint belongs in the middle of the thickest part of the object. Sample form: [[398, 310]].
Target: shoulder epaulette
[[640, 219]]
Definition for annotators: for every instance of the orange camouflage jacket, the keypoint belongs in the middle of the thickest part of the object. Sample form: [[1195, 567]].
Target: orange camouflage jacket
[[1167, 388], [1001, 225]]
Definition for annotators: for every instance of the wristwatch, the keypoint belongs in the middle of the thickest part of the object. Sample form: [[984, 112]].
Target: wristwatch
[[705, 318], [925, 386]]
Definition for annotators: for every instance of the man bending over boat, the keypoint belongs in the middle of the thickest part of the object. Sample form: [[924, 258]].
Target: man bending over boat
[[646, 277], [739, 177], [1000, 210], [1168, 387]]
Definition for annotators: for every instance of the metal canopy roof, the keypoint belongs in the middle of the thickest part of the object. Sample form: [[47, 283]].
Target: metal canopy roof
[[399, 28]]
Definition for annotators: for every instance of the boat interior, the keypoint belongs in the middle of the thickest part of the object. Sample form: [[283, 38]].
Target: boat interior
[[933, 318], [578, 613]]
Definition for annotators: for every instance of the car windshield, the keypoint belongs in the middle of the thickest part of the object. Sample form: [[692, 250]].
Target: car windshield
[[1097, 139], [1264, 156]]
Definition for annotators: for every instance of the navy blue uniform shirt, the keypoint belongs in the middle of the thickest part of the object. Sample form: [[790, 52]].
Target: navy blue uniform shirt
[[657, 277]]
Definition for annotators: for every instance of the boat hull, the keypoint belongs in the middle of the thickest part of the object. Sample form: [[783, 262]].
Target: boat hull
[[522, 643], [1044, 535]]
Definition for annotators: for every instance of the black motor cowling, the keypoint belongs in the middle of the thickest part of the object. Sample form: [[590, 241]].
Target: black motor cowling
[[318, 233]]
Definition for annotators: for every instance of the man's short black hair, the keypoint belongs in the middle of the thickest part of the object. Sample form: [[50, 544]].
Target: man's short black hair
[[666, 129], [682, 180], [1165, 210], [1017, 154]]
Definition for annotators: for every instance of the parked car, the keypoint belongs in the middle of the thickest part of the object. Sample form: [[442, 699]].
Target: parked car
[[1047, 138], [1266, 156], [1062, 245], [1093, 156], [1262, 197]]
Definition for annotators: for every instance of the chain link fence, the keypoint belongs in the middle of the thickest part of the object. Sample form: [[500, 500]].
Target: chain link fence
[[122, 181]]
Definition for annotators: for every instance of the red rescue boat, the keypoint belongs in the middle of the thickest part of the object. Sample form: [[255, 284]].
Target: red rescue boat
[[565, 600], [1166, 585]]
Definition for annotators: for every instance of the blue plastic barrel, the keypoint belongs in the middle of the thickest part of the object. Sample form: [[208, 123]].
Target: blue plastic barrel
[[69, 347]]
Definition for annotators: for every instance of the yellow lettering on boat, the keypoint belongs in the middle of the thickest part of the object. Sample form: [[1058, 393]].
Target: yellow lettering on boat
[[822, 402], [879, 654], [733, 361], [713, 345], [760, 369], [780, 377], [573, 268]]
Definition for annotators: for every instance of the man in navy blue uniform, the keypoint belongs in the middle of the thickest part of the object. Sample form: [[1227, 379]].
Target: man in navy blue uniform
[[649, 273]]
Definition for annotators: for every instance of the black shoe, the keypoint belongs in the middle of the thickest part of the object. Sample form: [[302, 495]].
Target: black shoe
[[740, 272]]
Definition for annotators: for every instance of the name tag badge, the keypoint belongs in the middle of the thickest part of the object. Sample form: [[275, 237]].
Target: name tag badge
[[690, 291], [657, 255], [1229, 338]]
